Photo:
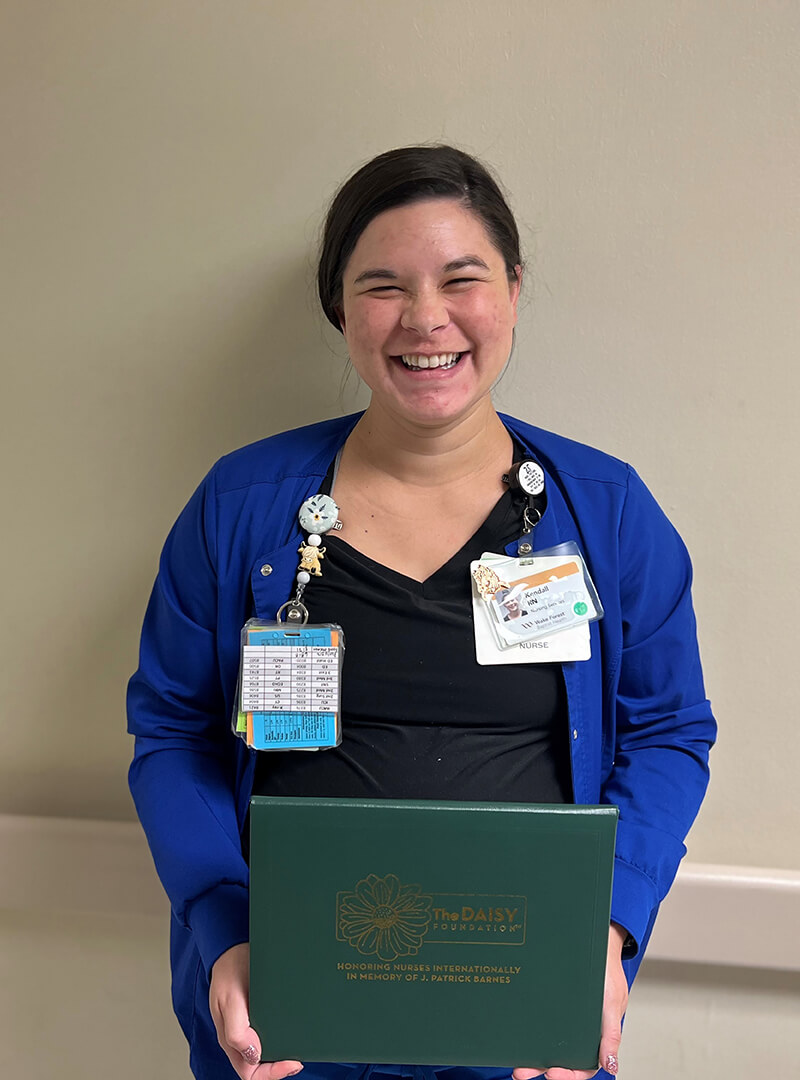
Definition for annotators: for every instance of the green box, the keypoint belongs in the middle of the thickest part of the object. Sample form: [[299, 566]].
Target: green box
[[439, 933]]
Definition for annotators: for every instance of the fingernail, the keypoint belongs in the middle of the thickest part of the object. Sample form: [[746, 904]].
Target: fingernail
[[251, 1055], [611, 1064]]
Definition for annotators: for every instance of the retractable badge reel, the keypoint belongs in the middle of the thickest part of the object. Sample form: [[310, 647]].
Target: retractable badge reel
[[289, 693], [528, 476], [531, 596]]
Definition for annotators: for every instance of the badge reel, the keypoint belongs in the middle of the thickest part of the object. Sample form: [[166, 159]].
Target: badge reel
[[533, 608], [528, 475], [289, 691]]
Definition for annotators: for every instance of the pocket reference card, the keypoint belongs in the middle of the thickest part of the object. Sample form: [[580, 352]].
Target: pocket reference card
[[290, 686]]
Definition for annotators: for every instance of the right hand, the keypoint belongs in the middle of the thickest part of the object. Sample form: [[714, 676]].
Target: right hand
[[229, 1001], [615, 1001]]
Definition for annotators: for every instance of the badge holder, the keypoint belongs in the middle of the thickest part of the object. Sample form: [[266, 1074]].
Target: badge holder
[[530, 600], [563, 647], [289, 691], [538, 596]]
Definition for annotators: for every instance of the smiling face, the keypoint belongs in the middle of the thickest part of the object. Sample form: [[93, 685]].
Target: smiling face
[[428, 312], [511, 608]]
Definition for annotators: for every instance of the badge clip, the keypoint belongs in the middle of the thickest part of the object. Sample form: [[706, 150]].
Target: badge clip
[[528, 476]]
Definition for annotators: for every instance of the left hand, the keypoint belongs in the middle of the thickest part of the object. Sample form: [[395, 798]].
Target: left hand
[[615, 1001], [228, 1000]]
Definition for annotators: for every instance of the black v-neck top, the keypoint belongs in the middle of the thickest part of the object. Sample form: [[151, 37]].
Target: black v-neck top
[[421, 719]]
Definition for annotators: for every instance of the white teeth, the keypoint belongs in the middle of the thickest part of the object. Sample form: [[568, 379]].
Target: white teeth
[[443, 360]]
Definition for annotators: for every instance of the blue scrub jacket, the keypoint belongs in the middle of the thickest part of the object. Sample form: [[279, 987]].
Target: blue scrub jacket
[[640, 724]]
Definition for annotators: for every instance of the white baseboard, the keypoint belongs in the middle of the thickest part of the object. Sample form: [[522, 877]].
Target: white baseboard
[[73, 864], [746, 916], [729, 915]]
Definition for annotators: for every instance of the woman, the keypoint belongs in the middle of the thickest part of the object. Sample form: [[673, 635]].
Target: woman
[[421, 271]]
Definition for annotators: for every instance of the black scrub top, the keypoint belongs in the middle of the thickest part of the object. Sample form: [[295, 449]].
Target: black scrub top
[[421, 719]]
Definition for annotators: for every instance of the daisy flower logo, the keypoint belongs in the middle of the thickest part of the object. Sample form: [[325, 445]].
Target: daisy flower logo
[[383, 918]]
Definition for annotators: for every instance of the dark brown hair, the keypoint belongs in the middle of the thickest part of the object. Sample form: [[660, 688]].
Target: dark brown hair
[[403, 176]]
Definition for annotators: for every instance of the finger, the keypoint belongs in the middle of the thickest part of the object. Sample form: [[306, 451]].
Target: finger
[[242, 1045], [236, 1035], [245, 1056], [245, 1061], [554, 1073], [609, 1054], [569, 1074], [244, 1051], [610, 1040], [276, 1070], [247, 1066], [239, 1041]]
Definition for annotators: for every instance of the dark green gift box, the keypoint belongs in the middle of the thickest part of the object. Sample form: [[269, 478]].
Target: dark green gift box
[[438, 933]]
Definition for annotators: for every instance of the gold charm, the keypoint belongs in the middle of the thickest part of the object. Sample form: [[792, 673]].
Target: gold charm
[[310, 559], [487, 581]]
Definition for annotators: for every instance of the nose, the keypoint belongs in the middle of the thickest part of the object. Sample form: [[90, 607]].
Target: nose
[[425, 312]]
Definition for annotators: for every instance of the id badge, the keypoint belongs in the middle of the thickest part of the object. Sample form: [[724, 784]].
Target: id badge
[[535, 609], [289, 693]]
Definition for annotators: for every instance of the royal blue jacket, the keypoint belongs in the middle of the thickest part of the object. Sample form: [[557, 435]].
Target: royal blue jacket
[[640, 724]]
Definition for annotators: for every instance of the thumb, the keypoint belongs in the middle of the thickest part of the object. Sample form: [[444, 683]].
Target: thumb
[[243, 1039], [609, 1044], [236, 1030]]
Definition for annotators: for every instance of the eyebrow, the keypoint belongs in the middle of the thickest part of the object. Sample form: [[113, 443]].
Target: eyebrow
[[384, 274], [465, 260]]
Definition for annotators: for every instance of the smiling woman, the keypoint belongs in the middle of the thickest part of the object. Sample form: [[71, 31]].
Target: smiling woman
[[428, 310], [421, 272]]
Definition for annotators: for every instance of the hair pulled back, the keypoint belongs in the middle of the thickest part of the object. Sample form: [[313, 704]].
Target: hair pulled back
[[396, 178]]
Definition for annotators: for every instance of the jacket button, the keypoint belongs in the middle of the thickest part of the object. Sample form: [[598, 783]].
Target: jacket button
[[266, 570], [574, 733]]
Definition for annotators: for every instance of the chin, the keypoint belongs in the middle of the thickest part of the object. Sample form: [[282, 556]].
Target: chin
[[448, 413]]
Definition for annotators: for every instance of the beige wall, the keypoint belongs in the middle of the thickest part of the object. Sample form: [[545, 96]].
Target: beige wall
[[165, 166]]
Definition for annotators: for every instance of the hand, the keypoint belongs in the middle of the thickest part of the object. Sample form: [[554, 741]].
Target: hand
[[615, 1001], [229, 1001]]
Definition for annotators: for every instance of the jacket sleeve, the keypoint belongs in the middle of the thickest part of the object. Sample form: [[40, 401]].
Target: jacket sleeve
[[182, 775], [664, 727]]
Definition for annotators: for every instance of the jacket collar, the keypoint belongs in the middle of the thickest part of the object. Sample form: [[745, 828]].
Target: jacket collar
[[271, 589]]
